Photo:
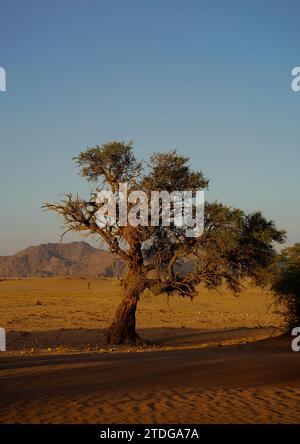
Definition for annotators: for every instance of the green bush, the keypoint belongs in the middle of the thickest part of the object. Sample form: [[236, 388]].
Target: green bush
[[286, 283]]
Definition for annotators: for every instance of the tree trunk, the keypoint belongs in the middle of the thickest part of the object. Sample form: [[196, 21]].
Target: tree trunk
[[122, 329]]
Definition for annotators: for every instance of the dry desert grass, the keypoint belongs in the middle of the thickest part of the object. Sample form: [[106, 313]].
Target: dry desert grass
[[62, 313]]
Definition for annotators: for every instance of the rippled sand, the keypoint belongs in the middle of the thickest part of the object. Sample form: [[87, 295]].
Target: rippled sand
[[217, 359]]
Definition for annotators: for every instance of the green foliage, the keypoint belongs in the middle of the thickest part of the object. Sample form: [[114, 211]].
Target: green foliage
[[286, 283], [110, 163], [234, 244], [171, 172]]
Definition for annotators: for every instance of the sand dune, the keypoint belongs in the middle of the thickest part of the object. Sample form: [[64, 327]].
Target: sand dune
[[216, 359], [253, 383]]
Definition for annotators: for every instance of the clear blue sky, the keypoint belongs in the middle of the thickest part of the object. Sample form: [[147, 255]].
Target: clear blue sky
[[211, 79]]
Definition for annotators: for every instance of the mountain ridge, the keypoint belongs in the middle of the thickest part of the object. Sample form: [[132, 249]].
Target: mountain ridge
[[61, 259]]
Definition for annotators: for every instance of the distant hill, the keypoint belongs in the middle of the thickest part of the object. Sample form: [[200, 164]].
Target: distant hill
[[70, 259]]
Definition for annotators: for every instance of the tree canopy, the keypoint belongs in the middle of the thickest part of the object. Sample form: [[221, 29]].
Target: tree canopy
[[234, 244]]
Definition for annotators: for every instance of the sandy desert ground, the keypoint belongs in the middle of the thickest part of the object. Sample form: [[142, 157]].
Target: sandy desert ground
[[219, 358]]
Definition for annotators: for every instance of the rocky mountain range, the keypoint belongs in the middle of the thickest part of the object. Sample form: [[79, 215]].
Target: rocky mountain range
[[58, 259]]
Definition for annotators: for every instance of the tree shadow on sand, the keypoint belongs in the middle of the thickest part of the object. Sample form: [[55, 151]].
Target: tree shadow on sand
[[83, 339]]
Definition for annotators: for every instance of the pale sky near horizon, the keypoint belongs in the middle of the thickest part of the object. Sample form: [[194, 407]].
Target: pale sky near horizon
[[212, 79]]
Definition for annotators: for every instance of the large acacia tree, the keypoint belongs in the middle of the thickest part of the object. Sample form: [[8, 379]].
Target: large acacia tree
[[161, 258]]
